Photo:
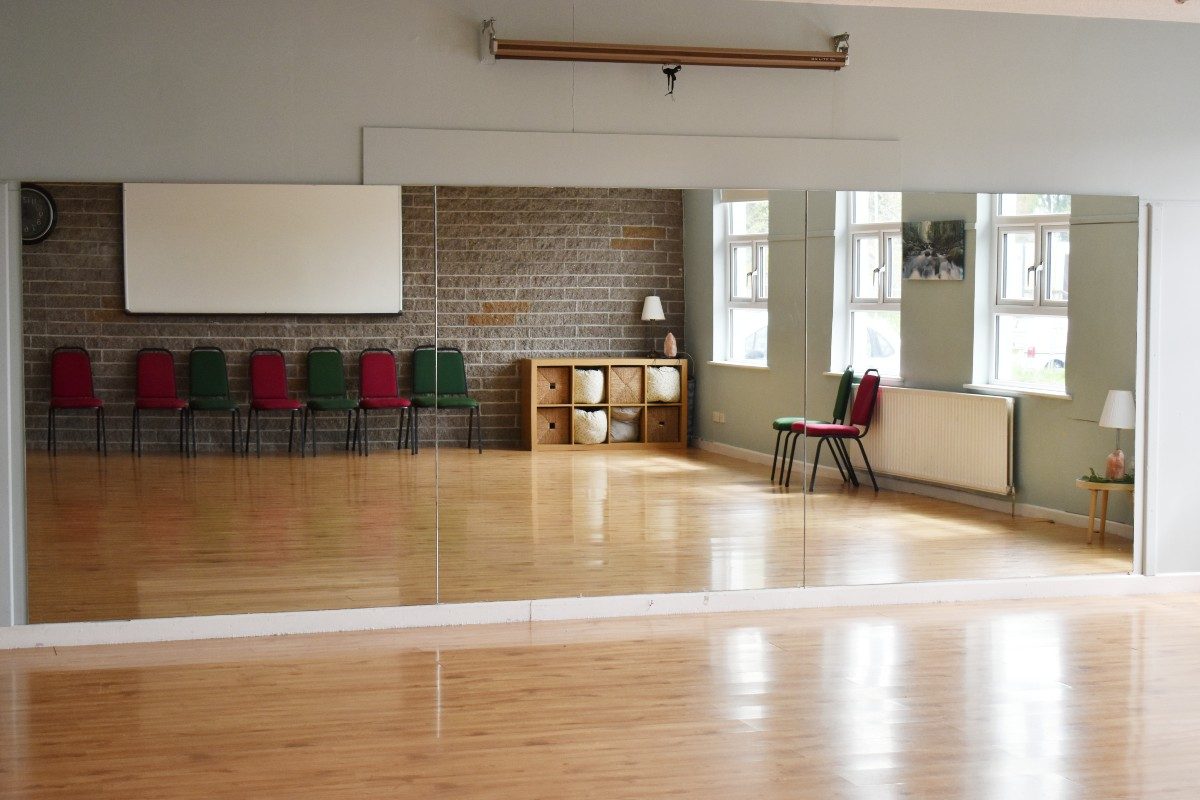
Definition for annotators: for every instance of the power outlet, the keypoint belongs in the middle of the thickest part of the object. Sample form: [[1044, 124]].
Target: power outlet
[[718, 417]]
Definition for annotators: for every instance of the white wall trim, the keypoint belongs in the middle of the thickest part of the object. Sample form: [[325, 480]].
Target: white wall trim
[[73, 634], [421, 156], [12, 412], [1028, 510]]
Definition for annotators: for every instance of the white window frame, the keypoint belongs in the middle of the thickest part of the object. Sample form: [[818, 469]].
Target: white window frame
[[1042, 226], [759, 244], [881, 300]]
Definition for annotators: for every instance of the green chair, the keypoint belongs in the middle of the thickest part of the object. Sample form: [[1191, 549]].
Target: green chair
[[326, 392], [783, 425], [440, 381], [208, 390]]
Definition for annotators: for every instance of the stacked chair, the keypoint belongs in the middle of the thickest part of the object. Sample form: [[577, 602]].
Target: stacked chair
[[326, 392], [379, 391], [71, 389], [156, 392], [208, 375], [440, 381], [268, 393]]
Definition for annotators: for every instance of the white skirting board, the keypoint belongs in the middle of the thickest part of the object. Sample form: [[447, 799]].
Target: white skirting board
[[73, 634], [1122, 529]]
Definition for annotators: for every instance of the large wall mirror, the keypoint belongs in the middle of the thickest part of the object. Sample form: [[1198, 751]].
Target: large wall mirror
[[593, 392]]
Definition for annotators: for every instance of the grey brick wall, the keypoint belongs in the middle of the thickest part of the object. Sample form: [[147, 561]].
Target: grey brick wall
[[522, 272]]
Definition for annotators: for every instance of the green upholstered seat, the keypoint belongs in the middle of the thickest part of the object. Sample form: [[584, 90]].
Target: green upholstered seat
[[212, 404], [445, 401], [332, 403], [785, 423]]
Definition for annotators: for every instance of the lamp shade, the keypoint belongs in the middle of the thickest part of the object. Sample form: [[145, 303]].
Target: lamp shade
[[652, 310], [1118, 410]]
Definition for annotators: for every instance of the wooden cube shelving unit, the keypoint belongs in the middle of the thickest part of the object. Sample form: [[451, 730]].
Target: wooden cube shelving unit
[[547, 402]]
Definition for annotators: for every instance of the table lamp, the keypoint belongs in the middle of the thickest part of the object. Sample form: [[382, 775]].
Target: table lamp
[[1118, 413], [652, 311]]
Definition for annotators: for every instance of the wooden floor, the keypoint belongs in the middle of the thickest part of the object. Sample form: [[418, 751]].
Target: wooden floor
[[1047, 700], [163, 536]]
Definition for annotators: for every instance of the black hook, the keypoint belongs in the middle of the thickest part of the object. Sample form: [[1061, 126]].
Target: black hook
[[671, 72]]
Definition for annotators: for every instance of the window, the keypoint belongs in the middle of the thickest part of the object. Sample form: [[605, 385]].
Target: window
[[1030, 290], [871, 324], [747, 270]]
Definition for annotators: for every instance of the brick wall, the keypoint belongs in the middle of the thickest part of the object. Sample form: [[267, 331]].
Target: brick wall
[[522, 271]]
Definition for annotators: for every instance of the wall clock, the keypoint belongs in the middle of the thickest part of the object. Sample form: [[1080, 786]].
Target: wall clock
[[39, 215]]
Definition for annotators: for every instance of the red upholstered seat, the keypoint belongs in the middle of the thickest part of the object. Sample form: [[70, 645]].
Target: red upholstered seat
[[76, 402], [276, 404], [826, 429], [385, 402]]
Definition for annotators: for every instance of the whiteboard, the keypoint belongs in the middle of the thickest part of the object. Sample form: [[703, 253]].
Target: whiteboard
[[262, 249]]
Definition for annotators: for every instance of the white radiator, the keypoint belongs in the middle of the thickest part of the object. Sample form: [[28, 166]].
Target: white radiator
[[949, 438]]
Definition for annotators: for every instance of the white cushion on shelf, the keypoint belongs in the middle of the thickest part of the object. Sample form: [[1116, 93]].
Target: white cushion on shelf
[[626, 425], [591, 427], [662, 385], [589, 386]]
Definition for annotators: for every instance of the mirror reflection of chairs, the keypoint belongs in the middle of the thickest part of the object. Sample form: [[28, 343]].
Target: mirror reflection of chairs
[[836, 434], [439, 382]]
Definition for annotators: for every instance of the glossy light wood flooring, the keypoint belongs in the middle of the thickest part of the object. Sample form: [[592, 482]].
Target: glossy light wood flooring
[[163, 536], [1046, 700]]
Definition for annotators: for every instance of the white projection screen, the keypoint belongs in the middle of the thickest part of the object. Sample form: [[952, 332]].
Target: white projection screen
[[262, 249]]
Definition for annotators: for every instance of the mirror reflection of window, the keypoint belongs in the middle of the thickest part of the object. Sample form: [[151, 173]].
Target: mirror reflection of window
[[1030, 291], [872, 319], [747, 252]]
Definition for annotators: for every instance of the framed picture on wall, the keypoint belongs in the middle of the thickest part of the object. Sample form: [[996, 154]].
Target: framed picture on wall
[[935, 251]]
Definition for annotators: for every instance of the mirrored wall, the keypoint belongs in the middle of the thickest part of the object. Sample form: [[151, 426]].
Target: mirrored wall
[[593, 392]]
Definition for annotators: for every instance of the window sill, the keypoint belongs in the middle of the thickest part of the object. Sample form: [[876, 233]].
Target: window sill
[[884, 380], [739, 365], [1015, 391]]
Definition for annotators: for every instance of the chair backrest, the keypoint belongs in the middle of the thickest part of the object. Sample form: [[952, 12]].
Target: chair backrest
[[445, 373], [377, 373], [326, 372], [864, 399], [71, 373], [842, 402], [268, 375], [208, 373], [155, 373]]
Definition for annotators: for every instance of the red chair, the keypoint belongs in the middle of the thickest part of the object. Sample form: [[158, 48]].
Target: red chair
[[835, 434], [71, 387], [155, 392], [379, 391], [268, 392]]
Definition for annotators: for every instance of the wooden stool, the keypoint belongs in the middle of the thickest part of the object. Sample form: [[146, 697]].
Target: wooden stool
[[1101, 488]]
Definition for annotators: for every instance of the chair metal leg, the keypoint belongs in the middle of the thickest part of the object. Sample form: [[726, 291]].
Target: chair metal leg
[[470, 426], [258, 434], [192, 434], [366, 435], [103, 419], [797, 437], [235, 424], [98, 410], [416, 429], [812, 482], [479, 429], [841, 445], [249, 424], [182, 412], [133, 448], [291, 428], [349, 414], [775, 458], [303, 431], [354, 438], [837, 460], [400, 431], [867, 461]]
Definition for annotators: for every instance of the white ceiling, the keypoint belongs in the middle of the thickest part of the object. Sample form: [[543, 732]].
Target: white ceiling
[[1162, 10]]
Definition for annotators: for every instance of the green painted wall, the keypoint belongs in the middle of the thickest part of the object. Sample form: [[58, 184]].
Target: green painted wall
[[1057, 439]]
